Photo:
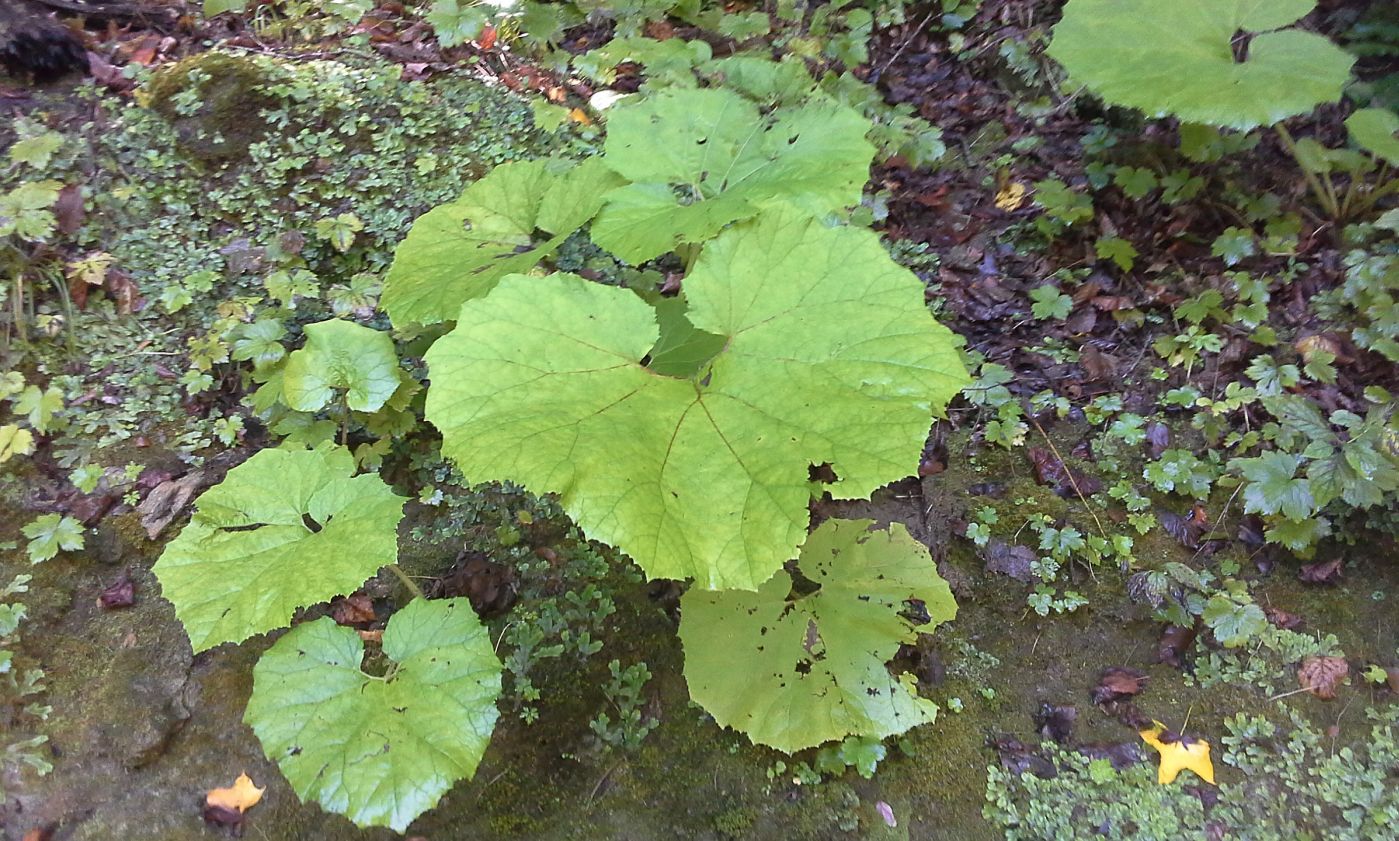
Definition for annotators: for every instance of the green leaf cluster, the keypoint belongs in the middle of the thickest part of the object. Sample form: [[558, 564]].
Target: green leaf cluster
[[1322, 466], [678, 167], [828, 357]]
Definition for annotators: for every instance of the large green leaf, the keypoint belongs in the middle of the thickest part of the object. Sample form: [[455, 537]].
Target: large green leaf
[[830, 357], [459, 250], [284, 529], [1377, 131], [1176, 58], [700, 159], [379, 750], [793, 671], [341, 355]]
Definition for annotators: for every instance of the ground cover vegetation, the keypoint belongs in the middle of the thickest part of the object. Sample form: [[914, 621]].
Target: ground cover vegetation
[[483, 390]]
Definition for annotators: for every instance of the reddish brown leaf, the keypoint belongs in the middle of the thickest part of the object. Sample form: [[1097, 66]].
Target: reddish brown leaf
[[1097, 366], [1118, 683], [1320, 675], [1325, 572], [1066, 481], [120, 593], [1005, 559], [1282, 619], [1174, 642], [352, 610], [69, 209]]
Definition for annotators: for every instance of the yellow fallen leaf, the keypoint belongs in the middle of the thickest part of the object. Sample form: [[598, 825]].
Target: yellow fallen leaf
[[1011, 196], [577, 115], [243, 795], [1179, 756]]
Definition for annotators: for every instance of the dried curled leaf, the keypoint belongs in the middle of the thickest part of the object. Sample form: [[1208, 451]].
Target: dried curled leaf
[[1320, 675]]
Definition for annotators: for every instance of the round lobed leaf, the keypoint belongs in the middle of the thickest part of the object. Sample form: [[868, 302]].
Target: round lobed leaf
[[285, 529], [1176, 58], [341, 355], [379, 750], [795, 671], [829, 357]]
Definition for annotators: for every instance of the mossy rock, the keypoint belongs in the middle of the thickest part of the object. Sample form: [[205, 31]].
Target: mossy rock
[[232, 96]]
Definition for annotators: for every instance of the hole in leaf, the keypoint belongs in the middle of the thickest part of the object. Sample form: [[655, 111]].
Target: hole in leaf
[[1239, 45], [823, 473], [311, 525], [248, 527], [916, 612]]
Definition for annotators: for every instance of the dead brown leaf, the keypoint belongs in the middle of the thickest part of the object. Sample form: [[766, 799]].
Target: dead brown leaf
[[1282, 619], [1118, 683], [1174, 642], [69, 209], [1325, 572], [352, 610], [1066, 481], [118, 594], [1097, 366], [1320, 675], [1014, 561]]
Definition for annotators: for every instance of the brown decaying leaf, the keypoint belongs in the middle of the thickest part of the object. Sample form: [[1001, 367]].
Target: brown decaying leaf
[[1118, 683], [1391, 675], [1013, 561], [1056, 721], [69, 210], [123, 292], [1097, 366], [1320, 675], [491, 587], [1325, 572], [118, 594], [1158, 439], [1066, 481], [1186, 530], [1282, 619], [1174, 642], [352, 610]]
